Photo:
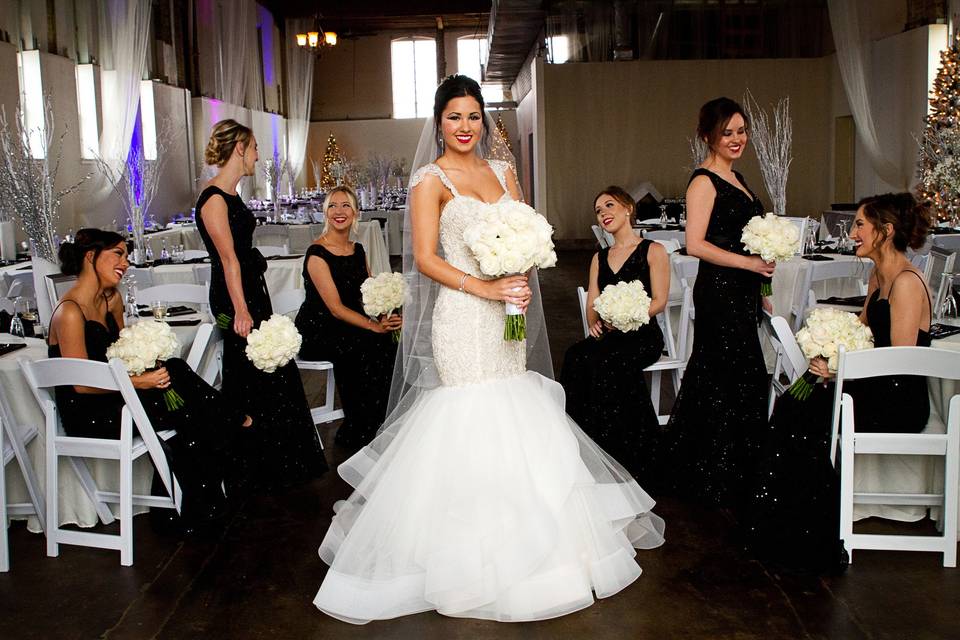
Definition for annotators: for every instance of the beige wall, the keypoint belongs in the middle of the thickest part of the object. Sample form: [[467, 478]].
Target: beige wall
[[626, 123]]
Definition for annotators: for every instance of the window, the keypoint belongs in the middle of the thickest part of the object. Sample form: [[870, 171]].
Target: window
[[471, 60], [414, 62], [558, 48], [33, 107], [87, 111]]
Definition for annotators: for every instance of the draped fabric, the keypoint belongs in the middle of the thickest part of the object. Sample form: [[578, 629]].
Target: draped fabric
[[853, 56], [236, 50], [299, 98], [124, 37]]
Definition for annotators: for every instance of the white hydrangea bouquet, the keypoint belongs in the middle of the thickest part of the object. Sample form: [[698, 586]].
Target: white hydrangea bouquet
[[625, 305], [773, 238], [383, 294], [822, 335], [510, 238], [142, 346], [274, 343]]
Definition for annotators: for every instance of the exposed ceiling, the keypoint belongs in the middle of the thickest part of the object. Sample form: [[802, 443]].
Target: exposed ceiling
[[514, 27], [370, 16]]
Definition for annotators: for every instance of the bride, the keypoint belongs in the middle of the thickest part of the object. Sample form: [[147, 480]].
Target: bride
[[479, 497]]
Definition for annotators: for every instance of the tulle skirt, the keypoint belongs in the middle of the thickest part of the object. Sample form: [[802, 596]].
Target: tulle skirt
[[484, 501]]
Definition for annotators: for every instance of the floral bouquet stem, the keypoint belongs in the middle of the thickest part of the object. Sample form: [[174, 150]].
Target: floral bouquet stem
[[223, 321], [766, 287], [803, 386], [515, 324], [172, 400]]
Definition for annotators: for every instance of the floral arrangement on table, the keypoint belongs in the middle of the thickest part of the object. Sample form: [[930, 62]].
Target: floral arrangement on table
[[274, 171], [510, 238], [383, 294], [772, 142], [822, 335], [274, 343], [773, 238], [625, 305], [145, 345]]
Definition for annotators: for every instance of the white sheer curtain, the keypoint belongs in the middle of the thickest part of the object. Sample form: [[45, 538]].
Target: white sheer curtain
[[124, 36], [237, 46], [853, 56], [299, 99]]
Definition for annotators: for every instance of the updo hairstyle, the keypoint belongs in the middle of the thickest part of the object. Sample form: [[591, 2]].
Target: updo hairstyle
[[71, 254], [224, 138], [621, 196], [911, 220], [455, 86], [715, 115]]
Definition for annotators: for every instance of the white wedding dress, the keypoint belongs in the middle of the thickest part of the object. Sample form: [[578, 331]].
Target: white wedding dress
[[489, 501]]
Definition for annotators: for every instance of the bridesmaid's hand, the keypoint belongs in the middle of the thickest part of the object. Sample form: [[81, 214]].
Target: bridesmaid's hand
[[391, 322], [242, 323], [596, 330], [156, 379], [818, 366], [759, 265], [767, 304]]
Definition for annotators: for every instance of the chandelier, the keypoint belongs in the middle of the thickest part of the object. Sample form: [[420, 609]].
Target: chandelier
[[318, 39]]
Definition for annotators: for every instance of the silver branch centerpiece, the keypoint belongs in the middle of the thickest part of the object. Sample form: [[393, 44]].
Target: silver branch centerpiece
[[698, 152], [136, 183], [772, 141], [939, 169], [273, 172]]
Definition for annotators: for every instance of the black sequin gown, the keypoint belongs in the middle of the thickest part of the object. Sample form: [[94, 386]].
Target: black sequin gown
[[362, 360], [607, 395], [794, 516], [208, 428], [285, 448], [721, 409]]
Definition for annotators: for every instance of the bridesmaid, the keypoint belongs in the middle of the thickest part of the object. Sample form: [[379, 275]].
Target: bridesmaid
[[285, 448], [603, 379], [86, 321], [720, 409], [335, 328], [794, 524]]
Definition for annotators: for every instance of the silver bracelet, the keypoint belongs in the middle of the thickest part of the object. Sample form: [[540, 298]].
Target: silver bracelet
[[463, 280]]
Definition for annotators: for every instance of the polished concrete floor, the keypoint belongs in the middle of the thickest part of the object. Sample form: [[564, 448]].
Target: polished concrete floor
[[257, 578]]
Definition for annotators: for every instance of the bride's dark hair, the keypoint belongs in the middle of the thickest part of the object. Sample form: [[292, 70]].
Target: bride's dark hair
[[455, 86]]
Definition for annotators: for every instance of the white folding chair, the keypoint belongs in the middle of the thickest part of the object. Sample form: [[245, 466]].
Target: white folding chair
[[939, 261], [142, 276], [268, 250], [14, 439], [803, 227], [948, 242], [667, 362], [685, 271], [206, 353], [137, 438], [813, 272], [680, 237], [598, 233], [789, 360], [201, 274], [287, 302], [177, 293], [870, 363], [194, 254]]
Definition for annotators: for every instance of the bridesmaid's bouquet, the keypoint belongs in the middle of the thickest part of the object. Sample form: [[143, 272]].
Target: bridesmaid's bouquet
[[143, 346], [625, 305], [822, 335], [273, 344], [773, 238], [510, 238], [383, 294]]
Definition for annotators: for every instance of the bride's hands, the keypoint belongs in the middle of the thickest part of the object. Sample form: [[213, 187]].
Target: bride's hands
[[512, 289]]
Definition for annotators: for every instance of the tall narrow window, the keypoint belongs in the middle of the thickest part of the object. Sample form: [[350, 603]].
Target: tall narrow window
[[87, 110], [471, 60], [558, 48], [414, 66], [148, 120], [31, 102]]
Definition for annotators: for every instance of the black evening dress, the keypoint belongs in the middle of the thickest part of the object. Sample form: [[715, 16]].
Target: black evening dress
[[721, 409], [607, 395], [285, 448], [208, 428], [794, 517], [362, 360]]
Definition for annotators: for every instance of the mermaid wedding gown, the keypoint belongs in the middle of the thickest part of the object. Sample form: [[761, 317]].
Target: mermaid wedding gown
[[488, 502]]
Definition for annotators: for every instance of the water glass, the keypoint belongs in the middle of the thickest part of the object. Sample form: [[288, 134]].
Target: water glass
[[159, 308], [16, 323]]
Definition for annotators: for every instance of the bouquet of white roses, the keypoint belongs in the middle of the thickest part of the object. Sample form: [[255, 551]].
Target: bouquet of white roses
[[383, 294], [625, 305], [506, 239], [274, 343], [772, 238], [141, 346], [822, 335]]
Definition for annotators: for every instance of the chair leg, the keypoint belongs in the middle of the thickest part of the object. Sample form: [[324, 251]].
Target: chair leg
[[53, 500], [950, 496], [846, 493], [655, 390], [126, 507], [4, 539]]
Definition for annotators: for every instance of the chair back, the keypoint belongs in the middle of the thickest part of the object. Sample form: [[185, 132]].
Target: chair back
[[671, 246], [582, 303], [685, 269], [201, 274], [44, 375], [940, 261], [194, 254], [811, 272], [206, 353], [599, 235], [889, 361], [288, 301], [172, 293], [142, 276], [680, 237], [791, 358], [947, 241], [268, 250]]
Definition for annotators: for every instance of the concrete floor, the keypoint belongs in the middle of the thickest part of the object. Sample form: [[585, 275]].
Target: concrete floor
[[258, 578]]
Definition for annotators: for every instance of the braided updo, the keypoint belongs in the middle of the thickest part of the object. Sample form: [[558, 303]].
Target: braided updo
[[910, 219], [224, 138]]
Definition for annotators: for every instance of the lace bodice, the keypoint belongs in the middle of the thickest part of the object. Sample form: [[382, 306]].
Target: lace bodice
[[468, 344]]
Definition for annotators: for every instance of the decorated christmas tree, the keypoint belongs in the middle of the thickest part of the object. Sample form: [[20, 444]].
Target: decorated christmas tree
[[939, 165], [333, 164]]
